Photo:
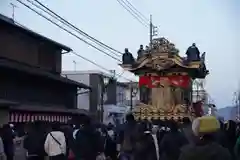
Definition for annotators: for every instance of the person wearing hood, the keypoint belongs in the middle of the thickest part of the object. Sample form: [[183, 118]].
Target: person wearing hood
[[204, 128]]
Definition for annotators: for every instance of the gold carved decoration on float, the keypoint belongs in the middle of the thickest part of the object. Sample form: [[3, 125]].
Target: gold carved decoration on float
[[162, 45], [165, 102]]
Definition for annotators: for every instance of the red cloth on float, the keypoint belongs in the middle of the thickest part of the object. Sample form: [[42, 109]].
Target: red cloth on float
[[155, 81]]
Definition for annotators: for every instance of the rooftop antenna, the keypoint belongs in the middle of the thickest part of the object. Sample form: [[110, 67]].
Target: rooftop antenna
[[13, 10], [74, 64]]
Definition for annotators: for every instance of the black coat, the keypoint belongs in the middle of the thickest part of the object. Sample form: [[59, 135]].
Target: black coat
[[88, 144], [170, 147], [34, 143], [210, 151], [145, 148]]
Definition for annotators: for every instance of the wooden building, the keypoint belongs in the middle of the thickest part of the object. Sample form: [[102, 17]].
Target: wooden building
[[31, 85]]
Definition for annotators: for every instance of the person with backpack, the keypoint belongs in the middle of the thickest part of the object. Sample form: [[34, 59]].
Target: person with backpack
[[55, 144]]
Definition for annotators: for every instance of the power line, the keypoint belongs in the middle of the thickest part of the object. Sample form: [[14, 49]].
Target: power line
[[48, 19], [70, 25], [94, 63], [132, 12], [86, 59], [61, 19], [136, 13], [139, 13]]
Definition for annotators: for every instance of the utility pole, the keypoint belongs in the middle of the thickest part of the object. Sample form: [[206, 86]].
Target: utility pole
[[13, 10], [153, 31], [238, 105], [131, 95]]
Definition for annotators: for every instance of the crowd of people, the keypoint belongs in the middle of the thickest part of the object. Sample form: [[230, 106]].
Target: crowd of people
[[203, 139]]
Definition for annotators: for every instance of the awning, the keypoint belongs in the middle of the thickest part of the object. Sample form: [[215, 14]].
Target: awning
[[49, 109], [21, 117]]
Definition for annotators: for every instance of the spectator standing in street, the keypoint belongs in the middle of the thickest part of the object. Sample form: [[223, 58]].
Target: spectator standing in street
[[20, 151], [34, 142], [127, 138], [2, 153], [7, 137], [206, 147], [55, 144], [88, 142]]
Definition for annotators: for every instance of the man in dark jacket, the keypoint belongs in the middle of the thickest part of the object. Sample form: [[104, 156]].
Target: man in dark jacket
[[187, 130], [34, 142], [88, 142], [7, 137], [172, 142]]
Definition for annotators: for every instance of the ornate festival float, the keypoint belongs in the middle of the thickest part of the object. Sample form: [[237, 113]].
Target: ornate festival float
[[165, 79]]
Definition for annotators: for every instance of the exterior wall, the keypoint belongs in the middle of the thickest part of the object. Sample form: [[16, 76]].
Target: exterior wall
[[82, 99], [4, 117], [111, 91], [95, 96], [28, 49], [26, 89], [93, 99]]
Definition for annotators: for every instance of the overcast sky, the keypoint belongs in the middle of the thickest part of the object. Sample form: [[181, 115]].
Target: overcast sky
[[212, 24]]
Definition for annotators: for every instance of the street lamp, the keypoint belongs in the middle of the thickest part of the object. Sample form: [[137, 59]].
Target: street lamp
[[105, 83], [106, 80]]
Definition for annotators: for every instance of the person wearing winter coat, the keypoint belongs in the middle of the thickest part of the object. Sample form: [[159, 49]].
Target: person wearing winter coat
[[172, 142], [2, 153], [88, 142], [34, 142], [7, 137], [145, 148], [206, 148]]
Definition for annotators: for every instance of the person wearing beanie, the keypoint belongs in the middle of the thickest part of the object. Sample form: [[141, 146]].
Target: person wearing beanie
[[204, 128]]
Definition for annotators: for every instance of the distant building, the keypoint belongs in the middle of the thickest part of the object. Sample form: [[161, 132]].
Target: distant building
[[31, 87], [135, 94], [200, 94], [114, 104]]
